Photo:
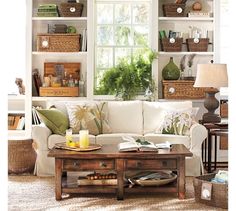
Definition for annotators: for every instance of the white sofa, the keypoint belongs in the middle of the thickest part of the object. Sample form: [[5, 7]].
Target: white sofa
[[133, 118]]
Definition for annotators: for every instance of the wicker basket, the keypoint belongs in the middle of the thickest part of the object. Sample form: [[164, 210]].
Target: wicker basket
[[21, 156], [181, 89], [58, 42], [200, 44], [171, 45], [173, 10], [219, 196], [71, 9]]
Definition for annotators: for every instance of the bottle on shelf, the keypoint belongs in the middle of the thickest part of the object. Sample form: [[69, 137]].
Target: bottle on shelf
[[81, 87], [71, 82]]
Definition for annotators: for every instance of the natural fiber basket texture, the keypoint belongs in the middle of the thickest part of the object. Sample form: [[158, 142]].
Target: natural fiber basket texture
[[71, 9], [181, 89], [21, 156], [202, 45], [58, 42], [167, 46], [171, 10], [219, 195]]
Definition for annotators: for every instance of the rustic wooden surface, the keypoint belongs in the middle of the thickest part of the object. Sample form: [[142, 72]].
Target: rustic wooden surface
[[109, 158]]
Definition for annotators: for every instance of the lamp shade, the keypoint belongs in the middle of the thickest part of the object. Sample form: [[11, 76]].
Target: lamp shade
[[211, 75]]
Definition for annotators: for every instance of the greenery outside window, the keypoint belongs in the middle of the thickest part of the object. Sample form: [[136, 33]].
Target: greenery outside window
[[121, 30]]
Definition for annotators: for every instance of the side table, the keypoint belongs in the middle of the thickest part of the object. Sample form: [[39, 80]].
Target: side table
[[222, 130]]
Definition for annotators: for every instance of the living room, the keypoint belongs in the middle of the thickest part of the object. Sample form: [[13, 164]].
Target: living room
[[134, 61]]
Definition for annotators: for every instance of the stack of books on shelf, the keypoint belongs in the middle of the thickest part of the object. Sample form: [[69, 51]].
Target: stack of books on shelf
[[16, 122], [48, 10]]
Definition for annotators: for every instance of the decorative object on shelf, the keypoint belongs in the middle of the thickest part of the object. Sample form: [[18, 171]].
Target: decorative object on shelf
[[36, 82], [182, 67], [197, 6], [212, 76], [171, 71], [71, 9], [20, 85], [181, 89], [189, 70], [173, 10], [81, 87], [127, 79]]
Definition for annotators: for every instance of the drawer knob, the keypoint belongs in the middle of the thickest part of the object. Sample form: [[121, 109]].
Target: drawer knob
[[76, 163], [164, 163], [139, 164], [103, 164]]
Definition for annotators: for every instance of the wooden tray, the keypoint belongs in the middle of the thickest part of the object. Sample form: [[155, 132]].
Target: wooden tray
[[91, 147]]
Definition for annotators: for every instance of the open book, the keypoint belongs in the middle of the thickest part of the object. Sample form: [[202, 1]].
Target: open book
[[131, 144]]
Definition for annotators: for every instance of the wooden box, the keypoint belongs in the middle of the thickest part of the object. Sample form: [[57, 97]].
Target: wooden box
[[71, 9], [181, 89], [58, 42], [59, 91], [72, 68], [173, 10]]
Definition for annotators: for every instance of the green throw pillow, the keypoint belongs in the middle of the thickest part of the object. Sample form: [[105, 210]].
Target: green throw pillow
[[54, 119]]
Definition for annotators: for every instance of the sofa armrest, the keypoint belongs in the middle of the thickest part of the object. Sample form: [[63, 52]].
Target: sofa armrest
[[198, 133], [40, 134]]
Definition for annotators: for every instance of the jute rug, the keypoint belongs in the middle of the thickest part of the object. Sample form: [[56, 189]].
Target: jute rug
[[30, 193]]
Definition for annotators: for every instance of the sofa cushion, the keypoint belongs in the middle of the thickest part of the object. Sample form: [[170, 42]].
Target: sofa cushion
[[173, 139], [114, 138], [54, 119], [88, 115], [177, 122], [154, 113], [125, 116], [54, 139]]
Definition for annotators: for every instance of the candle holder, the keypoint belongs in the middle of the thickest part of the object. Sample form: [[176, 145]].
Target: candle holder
[[84, 138]]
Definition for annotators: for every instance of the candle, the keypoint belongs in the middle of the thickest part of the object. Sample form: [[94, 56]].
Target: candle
[[84, 139]]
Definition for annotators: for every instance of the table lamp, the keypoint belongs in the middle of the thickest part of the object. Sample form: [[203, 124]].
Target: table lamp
[[211, 76]]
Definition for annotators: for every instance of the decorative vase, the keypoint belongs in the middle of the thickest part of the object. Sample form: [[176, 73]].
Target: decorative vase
[[171, 71]]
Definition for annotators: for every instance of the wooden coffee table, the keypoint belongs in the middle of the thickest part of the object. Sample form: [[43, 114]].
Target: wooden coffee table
[[109, 158]]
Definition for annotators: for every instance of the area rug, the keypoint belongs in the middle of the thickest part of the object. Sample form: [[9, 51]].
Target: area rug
[[31, 193]]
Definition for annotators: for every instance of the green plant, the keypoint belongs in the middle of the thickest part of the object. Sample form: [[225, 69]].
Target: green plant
[[129, 76]]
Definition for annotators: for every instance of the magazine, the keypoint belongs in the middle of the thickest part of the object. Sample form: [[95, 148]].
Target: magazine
[[131, 144]]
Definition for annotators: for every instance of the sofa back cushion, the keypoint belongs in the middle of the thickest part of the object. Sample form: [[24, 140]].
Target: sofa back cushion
[[154, 113], [125, 116]]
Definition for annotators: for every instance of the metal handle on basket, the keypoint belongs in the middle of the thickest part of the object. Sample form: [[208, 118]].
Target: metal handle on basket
[[72, 9], [171, 90], [76, 163], [179, 10]]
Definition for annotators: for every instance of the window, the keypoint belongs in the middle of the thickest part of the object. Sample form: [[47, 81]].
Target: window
[[121, 30]]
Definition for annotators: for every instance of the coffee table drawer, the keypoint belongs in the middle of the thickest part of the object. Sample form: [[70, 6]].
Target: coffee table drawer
[[70, 164], [151, 164]]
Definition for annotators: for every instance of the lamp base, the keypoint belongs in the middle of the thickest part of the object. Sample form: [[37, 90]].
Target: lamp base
[[211, 118], [211, 104]]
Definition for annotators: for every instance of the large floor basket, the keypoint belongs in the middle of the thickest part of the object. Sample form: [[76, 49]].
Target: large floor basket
[[219, 196]]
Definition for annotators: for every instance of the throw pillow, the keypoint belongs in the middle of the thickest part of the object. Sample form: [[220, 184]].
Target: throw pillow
[[90, 116], [54, 119], [177, 122]]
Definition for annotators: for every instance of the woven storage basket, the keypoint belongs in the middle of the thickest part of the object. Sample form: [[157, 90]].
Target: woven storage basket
[[173, 10], [58, 42], [200, 44], [168, 46], [21, 156], [71, 9], [219, 195], [181, 89]]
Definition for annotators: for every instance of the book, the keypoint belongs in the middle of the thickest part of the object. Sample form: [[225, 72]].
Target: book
[[131, 144], [165, 145], [21, 123]]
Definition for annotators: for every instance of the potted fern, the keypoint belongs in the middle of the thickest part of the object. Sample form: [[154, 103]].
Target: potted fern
[[129, 77]]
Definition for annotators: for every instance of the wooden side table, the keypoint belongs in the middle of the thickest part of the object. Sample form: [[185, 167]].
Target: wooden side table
[[207, 145], [21, 156]]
